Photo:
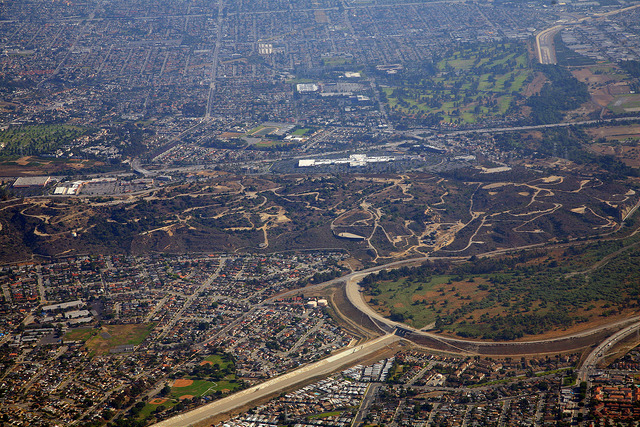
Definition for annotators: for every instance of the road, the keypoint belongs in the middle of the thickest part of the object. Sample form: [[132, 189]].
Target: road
[[176, 140], [41, 291], [214, 59], [600, 351], [276, 385], [534, 127], [367, 400]]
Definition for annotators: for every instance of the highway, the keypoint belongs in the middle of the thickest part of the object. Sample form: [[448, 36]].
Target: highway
[[276, 385], [534, 127], [176, 140], [600, 351]]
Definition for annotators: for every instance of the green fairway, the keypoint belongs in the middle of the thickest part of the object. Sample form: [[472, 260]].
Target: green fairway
[[37, 139], [469, 85]]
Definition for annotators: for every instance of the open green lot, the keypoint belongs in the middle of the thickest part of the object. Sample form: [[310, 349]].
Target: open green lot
[[626, 104], [149, 408], [302, 131], [216, 358], [325, 415], [100, 341], [402, 300], [81, 334], [534, 293], [336, 61]]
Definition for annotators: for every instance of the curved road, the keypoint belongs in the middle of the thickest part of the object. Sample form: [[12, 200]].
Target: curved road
[[354, 295], [464, 346], [600, 351]]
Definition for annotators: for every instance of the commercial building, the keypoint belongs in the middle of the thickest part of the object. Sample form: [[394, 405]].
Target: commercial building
[[353, 160], [32, 181]]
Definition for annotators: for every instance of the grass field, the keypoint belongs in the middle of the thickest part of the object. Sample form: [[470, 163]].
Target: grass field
[[266, 130], [82, 334], [610, 72], [272, 143], [301, 131], [111, 336], [626, 104], [616, 133], [255, 129], [206, 369], [325, 415], [539, 294], [420, 303], [216, 358], [198, 388], [328, 62], [150, 407], [204, 388]]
